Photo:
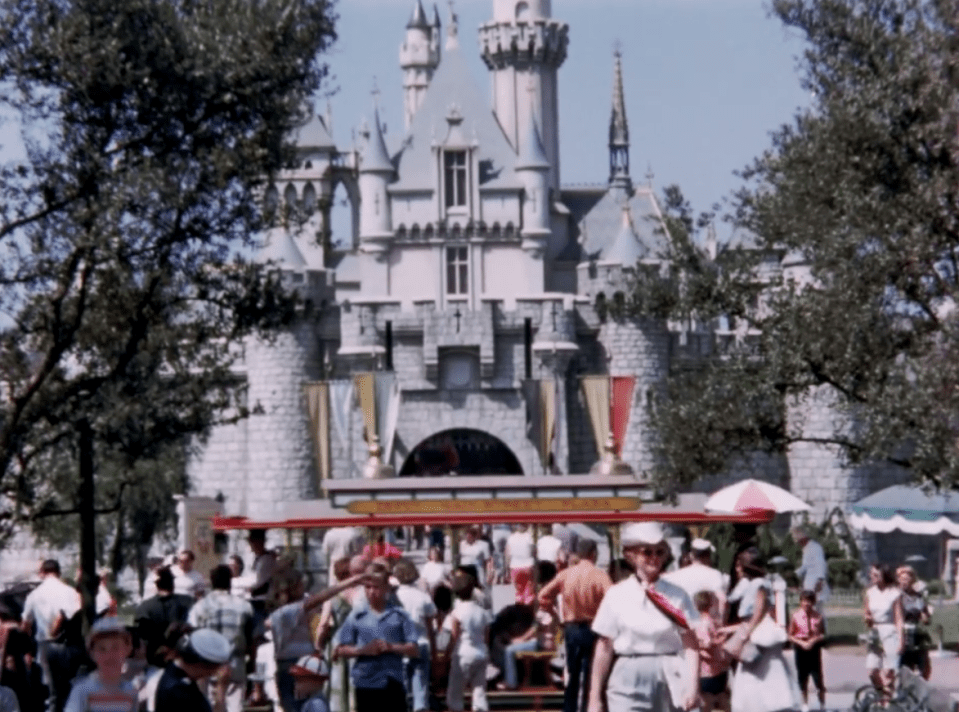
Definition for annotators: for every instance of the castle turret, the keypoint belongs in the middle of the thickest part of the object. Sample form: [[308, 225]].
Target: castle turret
[[619, 132], [419, 57], [523, 48], [375, 174], [532, 167]]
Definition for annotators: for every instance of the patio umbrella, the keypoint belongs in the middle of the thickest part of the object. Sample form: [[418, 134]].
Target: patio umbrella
[[755, 494], [908, 509]]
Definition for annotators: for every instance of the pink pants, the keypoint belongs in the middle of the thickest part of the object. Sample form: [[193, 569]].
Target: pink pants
[[523, 582]]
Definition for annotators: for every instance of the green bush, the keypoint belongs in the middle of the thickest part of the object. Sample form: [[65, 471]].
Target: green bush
[[843, 573]]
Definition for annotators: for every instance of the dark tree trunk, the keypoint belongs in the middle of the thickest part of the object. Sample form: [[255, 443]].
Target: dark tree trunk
[[88, 537]]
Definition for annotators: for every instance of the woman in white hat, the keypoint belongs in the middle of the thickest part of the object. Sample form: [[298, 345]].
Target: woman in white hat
[[646, 656]]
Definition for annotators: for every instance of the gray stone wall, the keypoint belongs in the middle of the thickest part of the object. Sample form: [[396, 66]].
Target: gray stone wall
[[282, 463]]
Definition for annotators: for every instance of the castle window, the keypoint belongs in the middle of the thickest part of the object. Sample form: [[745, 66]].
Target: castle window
[[459, 369], [457, 270], [454, 178]]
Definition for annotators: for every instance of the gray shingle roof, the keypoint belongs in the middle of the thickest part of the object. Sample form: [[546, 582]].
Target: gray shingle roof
[[313, 134], [376, 159], [418, 19], [279, 246], [453, 84], [603, 224], [625, 249]]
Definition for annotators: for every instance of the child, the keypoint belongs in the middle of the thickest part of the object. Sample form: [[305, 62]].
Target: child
[[807, 631], [309, 678], [468, 650], [713, 659], [110, 644]]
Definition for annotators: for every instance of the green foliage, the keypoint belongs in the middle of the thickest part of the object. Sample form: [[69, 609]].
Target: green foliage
[[149, 127], [843, 277]]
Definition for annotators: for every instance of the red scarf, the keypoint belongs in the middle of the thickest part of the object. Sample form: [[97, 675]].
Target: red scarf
[[666, 607]]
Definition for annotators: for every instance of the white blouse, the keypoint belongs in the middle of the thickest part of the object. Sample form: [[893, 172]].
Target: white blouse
[[634, 623], [881, 604]]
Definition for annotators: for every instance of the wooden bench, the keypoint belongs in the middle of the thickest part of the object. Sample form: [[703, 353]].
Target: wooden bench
[[537, 679]]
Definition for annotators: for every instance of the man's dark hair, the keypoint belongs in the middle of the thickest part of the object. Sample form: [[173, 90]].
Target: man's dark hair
[[463, 585], [220, 577], [443, 598], [257, 535], [545, 571], [586, 548], [50, 566], [165, 579]]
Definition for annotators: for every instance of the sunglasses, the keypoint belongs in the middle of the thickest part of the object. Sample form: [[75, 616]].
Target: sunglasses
[[652, 551]]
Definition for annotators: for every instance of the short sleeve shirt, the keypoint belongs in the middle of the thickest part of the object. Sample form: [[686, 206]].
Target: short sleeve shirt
[[473, 620], [51, 598], [89, 694], [881, 603], [520, 549], [477, 554], [635, 625], [698, 577], [418, 606], [745, 593], [364, 626]]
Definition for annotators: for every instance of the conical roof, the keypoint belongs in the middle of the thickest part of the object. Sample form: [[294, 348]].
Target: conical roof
[[314, 133], [626, 248], [279, 246], [618, 127], [376, 159], [531, 151], [418, 19]]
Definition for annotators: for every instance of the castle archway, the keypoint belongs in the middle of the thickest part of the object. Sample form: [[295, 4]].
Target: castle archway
[[461, 451]]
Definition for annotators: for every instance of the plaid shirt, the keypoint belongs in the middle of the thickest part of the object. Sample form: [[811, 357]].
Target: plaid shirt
[[230, 616]]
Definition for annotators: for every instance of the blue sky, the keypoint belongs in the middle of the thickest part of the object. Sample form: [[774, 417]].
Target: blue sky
[[705, 82]]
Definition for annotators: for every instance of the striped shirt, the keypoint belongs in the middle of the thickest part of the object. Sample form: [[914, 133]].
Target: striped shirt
[[230, 616]]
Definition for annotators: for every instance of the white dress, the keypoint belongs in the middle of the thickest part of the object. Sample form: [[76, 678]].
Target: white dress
[[768, 683], [881, 604], [646, 644]]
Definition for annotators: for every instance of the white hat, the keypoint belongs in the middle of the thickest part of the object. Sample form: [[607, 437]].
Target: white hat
[[641, 533], [310, 666], [700, 544], [210, 646], [108, 625]]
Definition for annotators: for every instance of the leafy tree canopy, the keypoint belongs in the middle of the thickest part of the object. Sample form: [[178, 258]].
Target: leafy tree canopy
[[842, 279], [148, 126]]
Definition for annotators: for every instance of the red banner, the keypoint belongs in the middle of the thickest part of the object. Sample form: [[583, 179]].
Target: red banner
[[620, 403]]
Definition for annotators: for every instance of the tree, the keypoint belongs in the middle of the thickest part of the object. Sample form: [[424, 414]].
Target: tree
[[149, 126], [846, 285]]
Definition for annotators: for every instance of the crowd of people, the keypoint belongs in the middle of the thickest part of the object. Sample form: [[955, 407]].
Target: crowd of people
[[386, 635]]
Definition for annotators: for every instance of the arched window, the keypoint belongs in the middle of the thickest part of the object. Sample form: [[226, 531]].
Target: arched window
[[309, 199], [522, 11], [289, 197]]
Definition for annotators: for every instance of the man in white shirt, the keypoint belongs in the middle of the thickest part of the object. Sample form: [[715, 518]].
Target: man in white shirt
[[341, 543], [550, 548], [187, 581], [45, 611], [475, 552], [812, 571], [700, 575]]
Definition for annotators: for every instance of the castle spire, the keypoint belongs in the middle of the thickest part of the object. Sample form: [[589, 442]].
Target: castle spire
[[618, 129], [418, 19]]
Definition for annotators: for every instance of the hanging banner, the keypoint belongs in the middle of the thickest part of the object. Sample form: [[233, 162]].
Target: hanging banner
[[366, 390], [318, 407], [621, 403], [341, 405], [540, 396], [387, 395], [596, 393]]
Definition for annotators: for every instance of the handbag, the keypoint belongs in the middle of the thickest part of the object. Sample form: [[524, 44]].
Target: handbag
[[749, 653], [768, 634]]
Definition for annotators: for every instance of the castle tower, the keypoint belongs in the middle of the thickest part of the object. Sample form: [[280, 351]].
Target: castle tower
[[376, 226], [281, 467], [619, 131], [532, 168], [524, 47], [419, 57]]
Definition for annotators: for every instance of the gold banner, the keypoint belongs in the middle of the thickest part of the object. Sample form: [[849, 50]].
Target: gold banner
[[485, 506], [366, 388]]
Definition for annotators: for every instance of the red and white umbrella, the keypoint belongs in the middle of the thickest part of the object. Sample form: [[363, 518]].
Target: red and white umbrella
[[755, 494]]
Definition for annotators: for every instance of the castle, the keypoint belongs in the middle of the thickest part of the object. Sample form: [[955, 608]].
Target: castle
[[470, 271]]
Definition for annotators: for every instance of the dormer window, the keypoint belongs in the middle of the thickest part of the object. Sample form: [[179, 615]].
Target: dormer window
[[454, 178]]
